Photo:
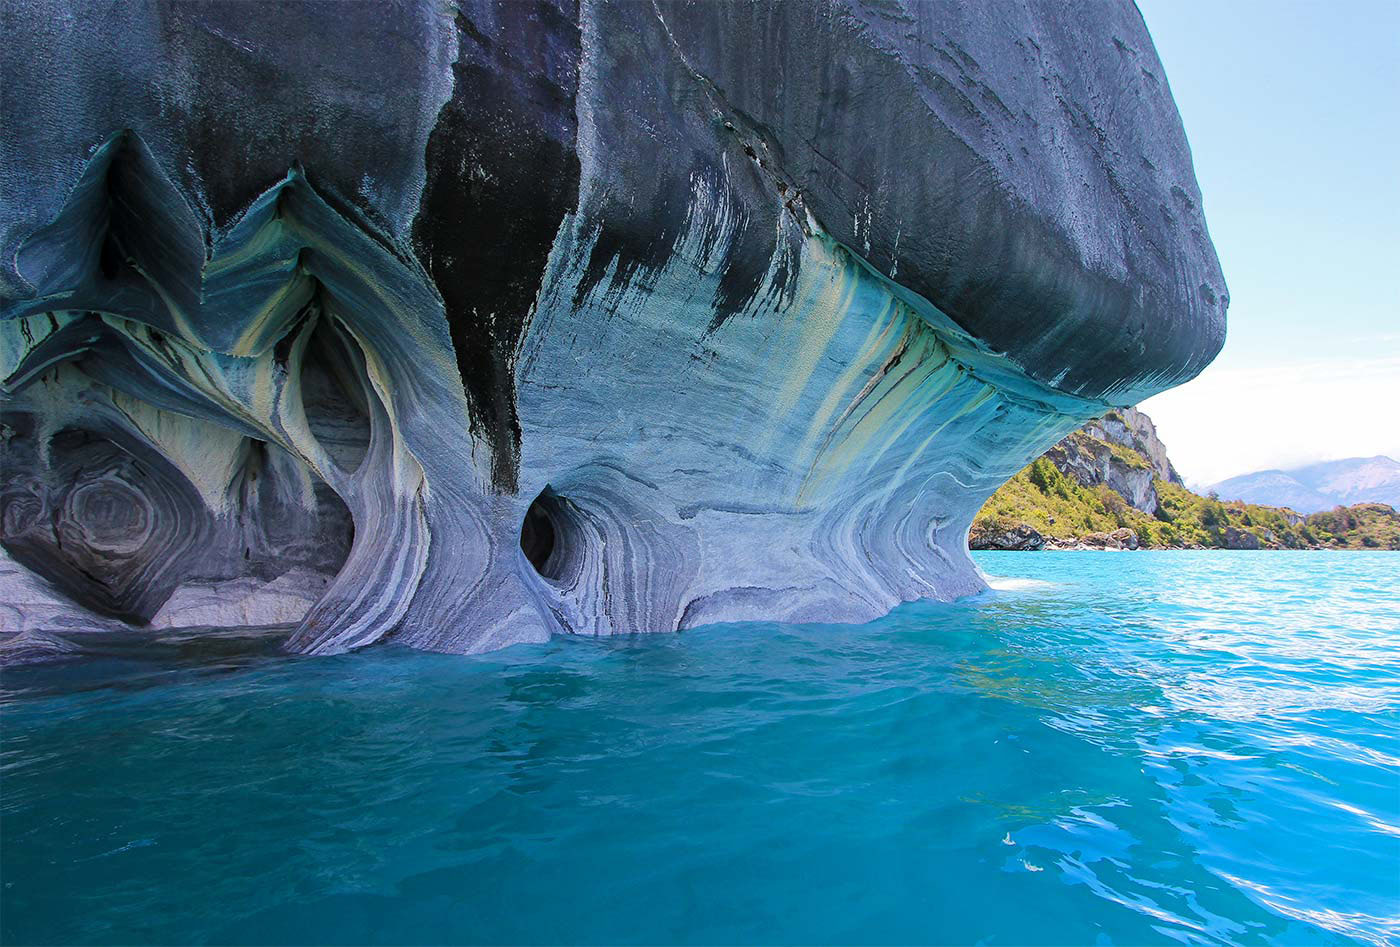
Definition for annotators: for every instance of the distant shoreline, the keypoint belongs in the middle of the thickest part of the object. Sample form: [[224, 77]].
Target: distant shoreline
[[1110, 485]]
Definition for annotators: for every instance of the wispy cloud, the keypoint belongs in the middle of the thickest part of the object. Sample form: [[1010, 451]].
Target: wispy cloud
[[1236, 419]]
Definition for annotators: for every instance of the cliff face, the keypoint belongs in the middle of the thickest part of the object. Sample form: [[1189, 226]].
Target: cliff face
[[555, 317], [1132, 429], [1120, 450], [1092, 461]]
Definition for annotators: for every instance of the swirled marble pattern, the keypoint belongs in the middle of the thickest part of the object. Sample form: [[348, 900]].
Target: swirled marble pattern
[[565, 317]]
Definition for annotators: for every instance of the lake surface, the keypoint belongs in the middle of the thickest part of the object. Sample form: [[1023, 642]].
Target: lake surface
[[1109, 747]]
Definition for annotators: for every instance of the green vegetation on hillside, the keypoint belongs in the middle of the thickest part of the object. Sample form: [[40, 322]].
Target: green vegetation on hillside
[[1363, 526], [1058, 506]]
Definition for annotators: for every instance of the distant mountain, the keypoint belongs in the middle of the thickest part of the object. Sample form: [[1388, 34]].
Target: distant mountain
[[1318, 486]]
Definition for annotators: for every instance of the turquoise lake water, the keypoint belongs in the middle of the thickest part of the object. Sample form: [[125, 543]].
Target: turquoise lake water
[[1109, 747]]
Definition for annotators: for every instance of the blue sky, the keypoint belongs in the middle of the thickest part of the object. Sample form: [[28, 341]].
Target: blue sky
[[1293, 114]]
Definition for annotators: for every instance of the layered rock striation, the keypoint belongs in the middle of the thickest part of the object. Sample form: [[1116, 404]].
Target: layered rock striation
[[465, 327]]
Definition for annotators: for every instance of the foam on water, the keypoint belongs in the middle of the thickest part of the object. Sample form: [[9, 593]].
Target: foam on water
[[1000, 583], [1149, 747]]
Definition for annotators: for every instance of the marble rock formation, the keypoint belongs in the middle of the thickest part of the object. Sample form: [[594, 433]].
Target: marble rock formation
[[462, 325]]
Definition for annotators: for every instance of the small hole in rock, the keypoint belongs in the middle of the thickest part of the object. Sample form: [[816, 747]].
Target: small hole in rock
[[537, 535]]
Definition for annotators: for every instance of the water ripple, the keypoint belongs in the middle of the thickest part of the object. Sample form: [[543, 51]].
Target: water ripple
[[1132, 748]]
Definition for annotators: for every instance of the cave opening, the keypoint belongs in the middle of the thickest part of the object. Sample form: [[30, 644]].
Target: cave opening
[[333, 396], [112, 520], [539, 537]]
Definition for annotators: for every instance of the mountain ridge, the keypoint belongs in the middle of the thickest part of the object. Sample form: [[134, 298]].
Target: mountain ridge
[[1319, 486]]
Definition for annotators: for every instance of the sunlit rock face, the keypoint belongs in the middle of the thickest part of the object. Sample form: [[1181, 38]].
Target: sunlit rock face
[[465, 327]]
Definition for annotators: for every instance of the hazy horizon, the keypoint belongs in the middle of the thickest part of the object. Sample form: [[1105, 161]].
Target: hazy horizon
[[1296, 468], [1284, 105]]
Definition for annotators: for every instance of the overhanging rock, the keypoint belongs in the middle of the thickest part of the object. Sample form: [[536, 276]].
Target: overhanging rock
[[539, 317]]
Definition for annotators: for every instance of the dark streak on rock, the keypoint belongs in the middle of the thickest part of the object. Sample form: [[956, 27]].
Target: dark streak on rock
[[502, 173], [638, 240]]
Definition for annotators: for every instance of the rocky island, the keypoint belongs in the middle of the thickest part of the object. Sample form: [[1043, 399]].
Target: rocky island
[[464, 326]]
